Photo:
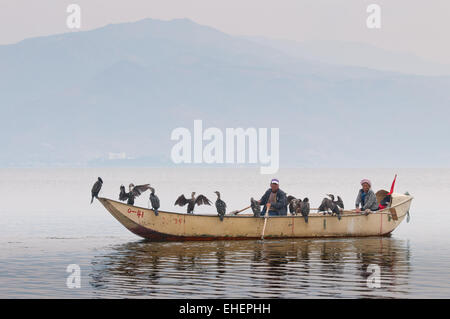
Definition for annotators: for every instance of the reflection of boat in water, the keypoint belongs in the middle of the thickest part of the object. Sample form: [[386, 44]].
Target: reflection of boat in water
[[252, 268], [170, 226]]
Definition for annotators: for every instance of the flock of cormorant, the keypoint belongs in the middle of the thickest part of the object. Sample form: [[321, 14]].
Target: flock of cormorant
[[297, 206]]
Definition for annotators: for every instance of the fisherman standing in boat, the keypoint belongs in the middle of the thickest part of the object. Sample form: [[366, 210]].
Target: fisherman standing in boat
[[366, 198], [274, 199]]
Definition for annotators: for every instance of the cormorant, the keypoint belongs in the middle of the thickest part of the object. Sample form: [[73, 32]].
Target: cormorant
[[154, 200], [200, 200], [292, 202], [123, 195], [303, 208], [96, 189], [340, 202], [134, 191], [328, 204], [256, 207], [220, 206]]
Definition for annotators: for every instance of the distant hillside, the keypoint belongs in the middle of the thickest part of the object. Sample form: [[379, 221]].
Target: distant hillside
[[77, 97], [355, 54]]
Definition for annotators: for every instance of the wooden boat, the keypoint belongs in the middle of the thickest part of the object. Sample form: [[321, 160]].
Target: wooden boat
[[171, 226]]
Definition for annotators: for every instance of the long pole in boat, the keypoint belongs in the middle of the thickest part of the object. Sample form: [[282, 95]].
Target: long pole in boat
[[265, 220], [235, 212]]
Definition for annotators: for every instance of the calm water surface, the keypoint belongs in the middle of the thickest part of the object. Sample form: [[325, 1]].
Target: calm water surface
[[49, 224]]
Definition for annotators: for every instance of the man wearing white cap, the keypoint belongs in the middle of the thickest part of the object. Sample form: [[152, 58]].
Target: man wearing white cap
[[366, 197], [275, 200]]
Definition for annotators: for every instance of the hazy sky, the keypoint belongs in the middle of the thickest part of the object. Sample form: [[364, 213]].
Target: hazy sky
[[417, 26]]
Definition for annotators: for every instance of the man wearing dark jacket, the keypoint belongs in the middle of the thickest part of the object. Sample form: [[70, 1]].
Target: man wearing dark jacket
[[275, 199]]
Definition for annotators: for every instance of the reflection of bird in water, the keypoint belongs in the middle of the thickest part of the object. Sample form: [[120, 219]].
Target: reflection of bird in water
[[134, 191], [149, 264], [200, 200], [220, 206], [96, 189], [256, 207], [154, 200]]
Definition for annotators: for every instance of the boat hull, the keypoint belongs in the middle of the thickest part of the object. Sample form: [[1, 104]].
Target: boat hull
[[170, 226]]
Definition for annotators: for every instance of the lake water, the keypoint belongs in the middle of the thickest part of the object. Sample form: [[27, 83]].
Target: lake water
[[47, 224]]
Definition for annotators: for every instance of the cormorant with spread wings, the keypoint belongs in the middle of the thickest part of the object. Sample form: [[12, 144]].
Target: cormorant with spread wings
[[200, 200], [134, 191]]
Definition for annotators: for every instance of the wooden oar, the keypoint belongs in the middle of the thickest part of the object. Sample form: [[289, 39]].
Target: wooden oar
[[265, 220], [235, 212]]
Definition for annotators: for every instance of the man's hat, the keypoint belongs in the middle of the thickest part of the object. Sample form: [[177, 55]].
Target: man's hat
[[274, 181]]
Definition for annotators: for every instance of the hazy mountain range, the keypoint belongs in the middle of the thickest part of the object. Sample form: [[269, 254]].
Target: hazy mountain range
[[356, 54], [82, 98]]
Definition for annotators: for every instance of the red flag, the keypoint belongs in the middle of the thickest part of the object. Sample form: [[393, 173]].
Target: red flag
[[392, 187]]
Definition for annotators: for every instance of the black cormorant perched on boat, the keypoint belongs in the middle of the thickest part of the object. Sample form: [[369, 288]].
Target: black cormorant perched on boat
[[340, 202], [220, 206], [328, 204], [154, 200], [96, 189], [123, 195], [337, 202], [302, 208], [134, 191], [297, 206], [200, 200], [292, 202], [256, 207]]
